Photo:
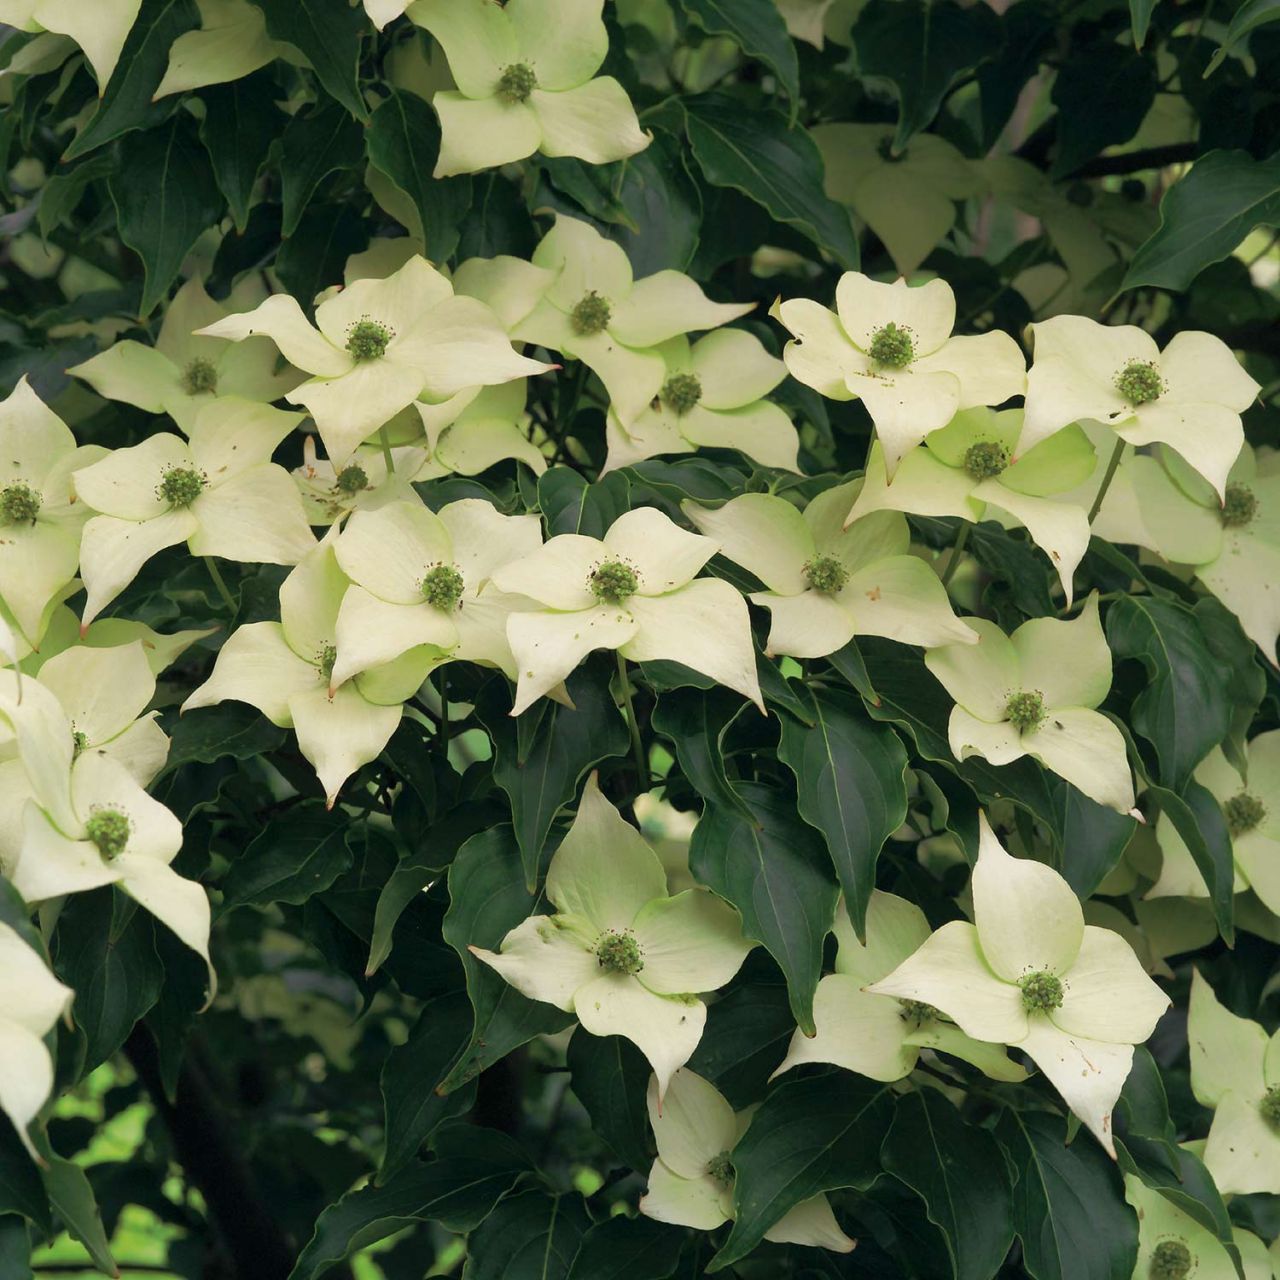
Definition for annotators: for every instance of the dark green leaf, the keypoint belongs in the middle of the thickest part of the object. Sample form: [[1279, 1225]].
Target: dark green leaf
[[530, 1236], [851, 784], [300, 853], [328, 34], [746, 1037], [72, 1199], [1248, 17], [570, 505], [1237, 659], [240, 123], [1204, 216], [622, 1248], [1197, 818], [316, 143], [959, 1173], [663, 207], [610, 1076], [757, 28], [695, 722], [404, 143], [66, 185], [165, 196], [777, 872], [15, 1249], [813, 1134], [21, 1190], [313, 257], [1140, 20], [753, 151], [1102, 93]]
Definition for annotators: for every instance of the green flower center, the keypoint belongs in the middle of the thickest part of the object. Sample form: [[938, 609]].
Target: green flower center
[[1041, 991], [367, 339], [720, 1169], [681, 393], [325, 660], [1139, 382], [516, 83], [109, 830], [1240, 506], [200, 378], [613, 582], [442, 588], [1270, 1107], [1243, 813], [892, 346], [1170, 1260], [916, 1012], [351, 480], [826, 574], [80, 741], [181, 486], [1025, 710], [985, 460], [619, 953], [591, 315], [20, 504]]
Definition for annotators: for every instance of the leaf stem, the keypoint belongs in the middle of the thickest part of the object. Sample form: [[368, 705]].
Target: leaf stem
[[384, 439], [637, 747], [956, 548], [443, 690], [1116, 454], [220, 583]]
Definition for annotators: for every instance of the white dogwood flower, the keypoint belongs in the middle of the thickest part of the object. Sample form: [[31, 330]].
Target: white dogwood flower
[[100, 28]]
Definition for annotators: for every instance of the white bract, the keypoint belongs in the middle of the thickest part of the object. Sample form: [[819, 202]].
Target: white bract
[[1235, 1069], [472, 432], [1188, 396], [619, 953], [100, 27], [597, 312], [633, 591], [966, 470], [1034, 694], [827, 583], [422, 578], [219, 492], [378, 345], [40, 519], [526, 77], [891, 346], [1030, 973], [183, 371], [712, 398], [31, 1002], [881, 1036], [691, 1181], [283, 668]]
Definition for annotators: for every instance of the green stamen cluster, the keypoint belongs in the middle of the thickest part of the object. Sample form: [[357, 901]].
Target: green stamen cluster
[[200, 378], [1025, 710], [681, 393], [720, 1169], [1270, 1107], [591, 315], [985, 460], [109, 830], [613, 582], [367, 339], [516, 83], [325, 660], [1139, 382], [351, 480], [619, 953], [1041, 991], [826, 574], [20, 504], [916, 1012], [1239, 507], [442, 588], [1170, 1260], [181, 486], [1243, 813], [80, 741], [892, 346]]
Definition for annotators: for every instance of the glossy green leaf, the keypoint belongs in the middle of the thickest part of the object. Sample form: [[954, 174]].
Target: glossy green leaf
[[298, 854], [1247, 18], [610, 1077], [695, 722], [1102, 93], [757, 28], [622, 1248], [73, 1202], [241, 121], [316, 143], [1198, 819], [530, 1236], [329, 37]]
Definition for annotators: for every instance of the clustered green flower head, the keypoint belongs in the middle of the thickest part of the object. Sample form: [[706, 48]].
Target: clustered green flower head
[[691, 1182], [620, 953], [526, 77], [1030, 973]]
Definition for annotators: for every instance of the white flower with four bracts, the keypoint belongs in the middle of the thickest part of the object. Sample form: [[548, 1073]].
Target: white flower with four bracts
[[827, 583], [691, 1181], [378, 345], [421, 578], [31, 1002], [526, 77], [891, 346], [1188, 396], [362, 483], [1033, 694], [712, 397], [1235, 1069], [283, 668], [880, 1036], [597, 312], [219, 492], [475, 431], [634, 591], [1031, 974], [619, 953]]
